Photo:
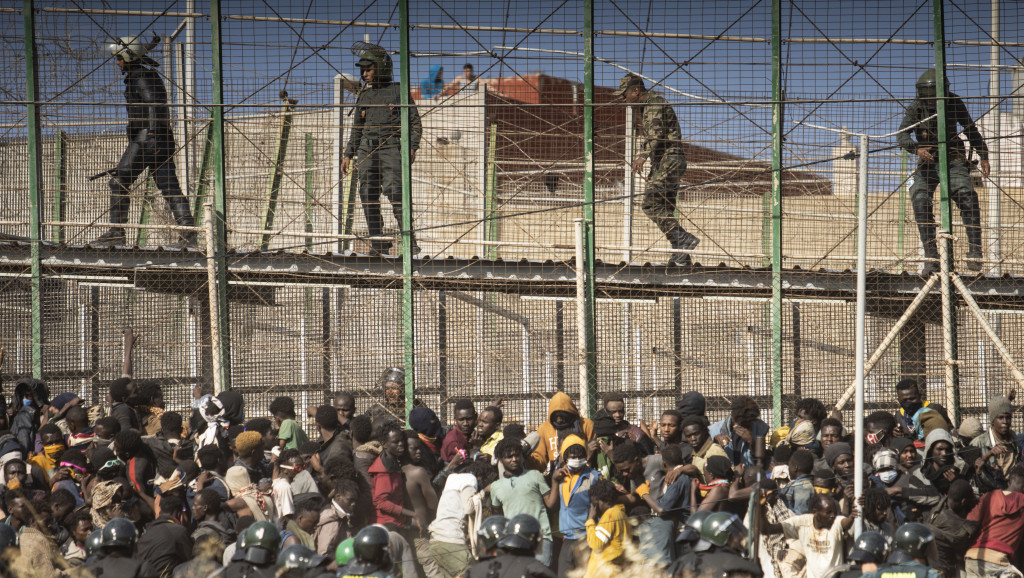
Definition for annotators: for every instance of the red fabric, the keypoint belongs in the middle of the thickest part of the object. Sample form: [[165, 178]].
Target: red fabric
[[133, 476], [1000, 518], [388, 494], [453, 442]]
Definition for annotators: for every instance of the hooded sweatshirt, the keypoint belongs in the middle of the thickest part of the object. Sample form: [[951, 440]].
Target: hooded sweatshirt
[[431, 86], [919, 485], [548, 449], [1000, 517]]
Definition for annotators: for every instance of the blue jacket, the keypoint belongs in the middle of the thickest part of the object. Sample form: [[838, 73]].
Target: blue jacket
[[738, 449], [431, 86], [797, 493], [572, 517]]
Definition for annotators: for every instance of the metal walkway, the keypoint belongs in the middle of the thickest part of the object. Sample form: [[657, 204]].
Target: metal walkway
[[184, 271]]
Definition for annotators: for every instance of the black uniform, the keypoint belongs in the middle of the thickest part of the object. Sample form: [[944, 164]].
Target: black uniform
[[115, 565], [150, 145], [720, 560], [509, 565], [243, 569]]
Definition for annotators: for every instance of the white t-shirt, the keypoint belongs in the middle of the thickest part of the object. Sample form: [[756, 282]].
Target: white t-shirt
[[449, 525], [283, 497], [822, 548]]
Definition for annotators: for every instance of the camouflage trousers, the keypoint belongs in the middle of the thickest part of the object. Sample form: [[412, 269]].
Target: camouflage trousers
[[662, 191], [961, 191]]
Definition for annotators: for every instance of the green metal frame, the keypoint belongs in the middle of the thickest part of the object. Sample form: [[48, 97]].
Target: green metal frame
[[35, 182], [945, 200], [146, 212], [590, 318], [220, 194], [60, 184], [776, 212], [408, 295], [277, 173]]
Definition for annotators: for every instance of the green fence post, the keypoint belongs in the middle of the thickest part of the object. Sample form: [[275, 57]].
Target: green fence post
[[945, 201], [277, 172], [146, 212], [220, 195], [590, 318], [60, 184], [35, 182], [490, 194], [408, 295], [777, 128]]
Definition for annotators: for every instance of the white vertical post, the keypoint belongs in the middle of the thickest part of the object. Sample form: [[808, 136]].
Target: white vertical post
[[944, 238], [338, 179], [211, 282], [995, 195], [581, 315], [189, 81], [862, 259]]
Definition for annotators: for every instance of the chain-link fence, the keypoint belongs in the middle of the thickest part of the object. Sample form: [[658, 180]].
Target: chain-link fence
[[512, 131]]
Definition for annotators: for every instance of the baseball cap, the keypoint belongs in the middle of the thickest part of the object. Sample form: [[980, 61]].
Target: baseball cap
[[627, 82]]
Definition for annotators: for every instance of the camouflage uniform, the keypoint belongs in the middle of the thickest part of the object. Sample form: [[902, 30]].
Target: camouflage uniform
[[375, 141], [926, 177], [661, 143]]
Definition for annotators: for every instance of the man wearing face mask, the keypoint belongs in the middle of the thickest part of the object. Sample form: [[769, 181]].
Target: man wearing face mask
[[925, 487], [570, 495], [918, 417], [563, 419]]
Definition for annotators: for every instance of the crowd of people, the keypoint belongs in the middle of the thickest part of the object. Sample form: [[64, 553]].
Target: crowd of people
[[131, 488]]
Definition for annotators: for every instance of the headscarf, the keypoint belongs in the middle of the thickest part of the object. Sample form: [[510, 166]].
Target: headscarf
[[691, 403], [801, 434], [240, 486], [211, 410], [234, 406]]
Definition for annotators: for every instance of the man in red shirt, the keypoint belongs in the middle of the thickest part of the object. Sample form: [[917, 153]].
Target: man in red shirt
[[388, 481], [1000, 517]]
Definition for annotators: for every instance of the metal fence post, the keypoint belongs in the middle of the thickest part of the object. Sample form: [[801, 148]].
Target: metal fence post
[[219, 208], [408, 295], [588, 206], [945, 204], [35, 182], [776, 302]]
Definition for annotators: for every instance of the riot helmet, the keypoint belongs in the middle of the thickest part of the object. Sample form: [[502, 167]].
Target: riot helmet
[[372, 545], [912, 540], [94, 543], [129, 48], [926, 84], [373, 55], [119, 533], [491, 531], [295, 560], [870, 547], [690, 531], [344, 552], [261, 543], [522, 533], [719, 529], [8, 537]]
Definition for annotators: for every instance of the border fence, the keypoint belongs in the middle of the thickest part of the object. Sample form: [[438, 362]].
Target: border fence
[[539, 270]]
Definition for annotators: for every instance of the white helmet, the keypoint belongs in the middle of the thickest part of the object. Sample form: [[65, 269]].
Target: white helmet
[[129, 48]]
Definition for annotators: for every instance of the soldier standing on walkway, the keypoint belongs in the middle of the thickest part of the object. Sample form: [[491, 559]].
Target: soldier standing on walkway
[[661, 141]]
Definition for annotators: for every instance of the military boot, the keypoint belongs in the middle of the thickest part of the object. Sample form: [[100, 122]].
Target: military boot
[[931, 255], [681, 241], [115, 237], [182, 214]]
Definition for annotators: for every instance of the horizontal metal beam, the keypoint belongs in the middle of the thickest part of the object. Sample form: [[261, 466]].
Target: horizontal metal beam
[[179, 271]]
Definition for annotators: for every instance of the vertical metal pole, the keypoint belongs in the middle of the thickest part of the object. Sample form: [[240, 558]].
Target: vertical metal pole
[[308, 182], [60, 185], [995, 213], [798, 369], [560, 345], [442, 352], [35, 182], [211, 285], [901, 227], [189, 60], [337, 179], [777, 128], [581, 316], [277, 173], [677, 344], [946, 205], [408, 296], [629, 188], [588, 209], [862, 260], [222, 349], [490, 185]]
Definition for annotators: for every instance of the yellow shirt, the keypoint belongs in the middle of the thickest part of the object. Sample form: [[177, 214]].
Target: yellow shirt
[[606, 539]]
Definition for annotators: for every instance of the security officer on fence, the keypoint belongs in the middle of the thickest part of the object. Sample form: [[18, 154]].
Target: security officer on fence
[[910, 554], [926, 177], [661, 142], [375, 142], [150, 143], [118, 543], [517, 550]]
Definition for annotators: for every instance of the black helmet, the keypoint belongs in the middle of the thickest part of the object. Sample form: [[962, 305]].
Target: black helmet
[[372, 544], [94, 543], [913, 539], [719, 528], [926, 84], [691, 530], [522, 533], [8, 537], [119, 533], [491, 530], [261, 543], [371, 54], [870, 547], [296, 559]]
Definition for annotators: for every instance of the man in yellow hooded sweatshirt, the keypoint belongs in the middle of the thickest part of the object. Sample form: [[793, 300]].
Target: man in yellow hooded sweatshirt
[[607, 536], [563, 419]]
